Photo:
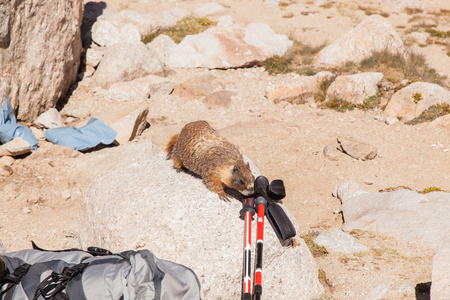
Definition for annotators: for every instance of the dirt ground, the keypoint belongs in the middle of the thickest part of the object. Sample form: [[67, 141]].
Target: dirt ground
[[41, 200]]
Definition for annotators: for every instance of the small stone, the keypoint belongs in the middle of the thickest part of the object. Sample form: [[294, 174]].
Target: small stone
[[130, 126], [5, 171], [391, 120], [331, 152], [357, 148], [16, 147], [38, 133], [50, 119], [26, 210], [65, 195], [7, 160]]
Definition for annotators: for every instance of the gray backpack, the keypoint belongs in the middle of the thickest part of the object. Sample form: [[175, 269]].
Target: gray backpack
[[94, 274]]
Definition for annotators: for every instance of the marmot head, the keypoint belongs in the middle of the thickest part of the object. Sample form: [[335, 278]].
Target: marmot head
[[240, 178]]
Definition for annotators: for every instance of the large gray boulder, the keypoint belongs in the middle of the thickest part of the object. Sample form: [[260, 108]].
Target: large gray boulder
[[40, 46], [404, 213], [440, 278], [145, 203], [228, 47], [373, 34]]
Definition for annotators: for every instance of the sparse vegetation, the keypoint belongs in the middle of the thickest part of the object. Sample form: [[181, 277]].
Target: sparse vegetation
[[437, 33], [277, 65], [298, 58], [370, 11], [370, 103], [339, 105], [288, 15], [411, 11], [316, 250], [431, 189], [323, 278], [321, 94], [433, 112], [397, 67], [283, 4], [182, 28]]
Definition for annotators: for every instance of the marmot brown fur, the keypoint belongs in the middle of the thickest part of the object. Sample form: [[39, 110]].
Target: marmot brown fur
[[201, 150]]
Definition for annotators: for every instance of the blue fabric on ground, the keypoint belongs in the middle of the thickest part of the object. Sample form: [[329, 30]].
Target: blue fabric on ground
[[10, 130], [94, 133]]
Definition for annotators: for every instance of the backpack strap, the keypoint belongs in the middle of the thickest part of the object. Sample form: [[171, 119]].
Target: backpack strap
[[11, 280], [56, 282], [94, 251]]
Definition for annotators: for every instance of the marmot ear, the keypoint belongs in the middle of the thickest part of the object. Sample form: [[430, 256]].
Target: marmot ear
[[235, 169]]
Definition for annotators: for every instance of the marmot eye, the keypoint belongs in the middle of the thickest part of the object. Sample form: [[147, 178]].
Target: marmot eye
[[242, 182], [235, 169]]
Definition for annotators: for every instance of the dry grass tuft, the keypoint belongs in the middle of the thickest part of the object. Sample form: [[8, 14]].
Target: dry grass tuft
[[182, 28], [433, 112]]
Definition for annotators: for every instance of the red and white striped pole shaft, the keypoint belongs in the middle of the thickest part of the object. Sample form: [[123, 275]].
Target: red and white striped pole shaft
[[260, 205], [247, 284]]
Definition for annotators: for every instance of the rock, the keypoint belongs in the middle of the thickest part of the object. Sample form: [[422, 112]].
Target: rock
[[171, 16], [16, 147], [357, 148], [161, 45], [404, 214], [209, 9], [391, 120], [40, 47], [331, 151], [94, 56], [339, 241], [225, 21], [159, 85], [228, 47], [5, 171], [141, 88], [159, 202], [443, 121], [346, 189], [440, 277], [136, 61], [373, 34], [105, 33], [7, 160], [402, 104], [130, 126], [38, 133], [355, 88], [377, 292], [50, 119], [195, 87], [218, 99], [129, 26], [297, 92], [65, 195], [419, 37]]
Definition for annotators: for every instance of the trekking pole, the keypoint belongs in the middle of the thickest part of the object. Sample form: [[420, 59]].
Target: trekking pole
[[260, 206], [247, 212]]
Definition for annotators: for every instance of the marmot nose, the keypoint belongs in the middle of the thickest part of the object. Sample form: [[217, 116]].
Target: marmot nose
[[249, 191]]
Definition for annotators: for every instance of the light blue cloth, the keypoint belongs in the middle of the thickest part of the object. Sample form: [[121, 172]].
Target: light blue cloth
[[94, 133], [9, 129]]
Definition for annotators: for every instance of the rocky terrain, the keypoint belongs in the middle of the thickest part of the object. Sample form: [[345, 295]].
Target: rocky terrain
[[148, 92]]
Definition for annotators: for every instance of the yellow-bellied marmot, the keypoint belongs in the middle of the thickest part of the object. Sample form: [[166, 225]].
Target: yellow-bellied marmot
[[201, 150]]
